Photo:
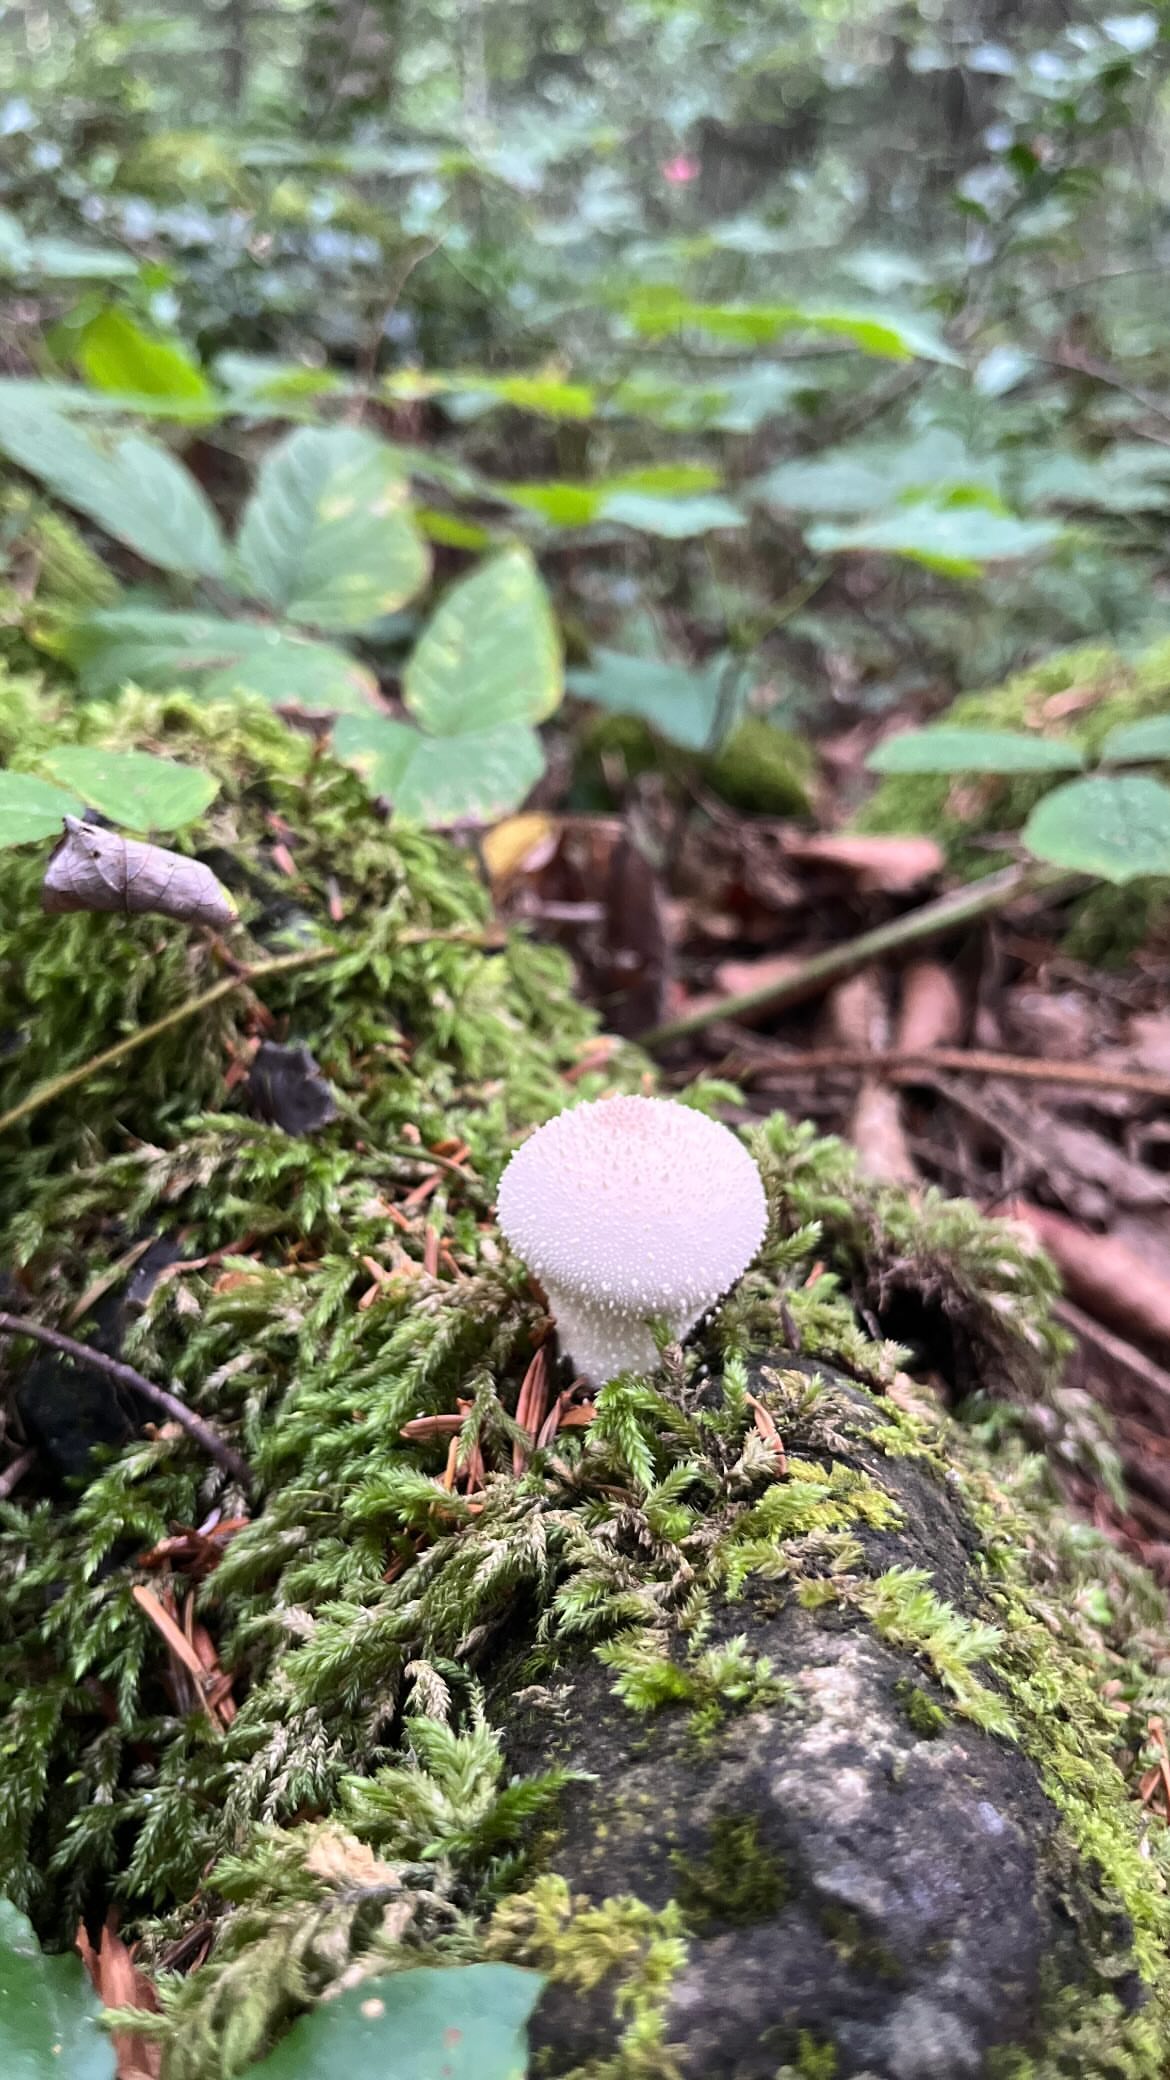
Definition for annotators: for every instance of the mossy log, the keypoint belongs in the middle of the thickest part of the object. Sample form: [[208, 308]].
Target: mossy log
[[783, 1728]]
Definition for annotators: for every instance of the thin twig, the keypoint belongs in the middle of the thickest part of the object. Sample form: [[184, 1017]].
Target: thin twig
[[961, 906], [1153, 1377], [126, 1376], [812, 1061], [15, 1472], [55, 1086], [489, 937]]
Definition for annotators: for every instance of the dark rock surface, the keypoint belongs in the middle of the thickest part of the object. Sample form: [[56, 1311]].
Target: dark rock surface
[[858, 1866]]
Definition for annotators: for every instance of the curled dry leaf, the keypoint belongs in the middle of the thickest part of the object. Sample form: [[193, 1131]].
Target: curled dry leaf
[[96, 869], [878, 1135]]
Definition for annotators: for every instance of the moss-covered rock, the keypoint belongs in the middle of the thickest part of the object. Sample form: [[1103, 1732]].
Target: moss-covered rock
[[842, 1711]]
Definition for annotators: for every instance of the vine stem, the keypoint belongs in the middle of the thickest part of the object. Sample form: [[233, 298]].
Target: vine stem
[[961, 906], [126, 1376]]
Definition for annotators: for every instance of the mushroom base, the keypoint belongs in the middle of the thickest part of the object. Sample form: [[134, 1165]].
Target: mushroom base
[[601, 1342]]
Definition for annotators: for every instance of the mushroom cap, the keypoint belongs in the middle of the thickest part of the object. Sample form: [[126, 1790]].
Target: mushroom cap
[[635, 1206]]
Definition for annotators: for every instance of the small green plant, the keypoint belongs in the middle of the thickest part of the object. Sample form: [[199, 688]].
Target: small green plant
[[327, 546], [131, 788], [1114, 825]]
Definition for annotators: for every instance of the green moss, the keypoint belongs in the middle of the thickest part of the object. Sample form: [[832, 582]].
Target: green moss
[[762, 769], [345, 1606], [622, 1946], [856, 1946], [814, 2060], [737, 1883], [926, 1718]]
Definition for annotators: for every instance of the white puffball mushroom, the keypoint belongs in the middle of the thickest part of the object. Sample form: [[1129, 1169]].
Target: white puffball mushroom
[[627, 1208]]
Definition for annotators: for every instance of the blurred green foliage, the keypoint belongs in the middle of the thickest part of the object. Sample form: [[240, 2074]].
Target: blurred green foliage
[[810, 348]]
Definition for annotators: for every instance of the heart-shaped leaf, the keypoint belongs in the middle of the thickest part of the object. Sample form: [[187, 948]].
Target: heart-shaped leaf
[[465, 2023], [1134, 742], [491, 653], [133, 788], [1117, 829], [48, 2025], [954, 750], [439, 781], [218, 658], [31, 809], [131, 486], [327, 535]]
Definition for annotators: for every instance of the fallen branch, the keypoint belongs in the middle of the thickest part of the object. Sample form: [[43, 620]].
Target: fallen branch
[[126, 1376], [962, 906], [902, 1061]]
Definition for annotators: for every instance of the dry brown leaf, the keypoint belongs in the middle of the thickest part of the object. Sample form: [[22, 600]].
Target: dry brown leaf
[[344, 1861], [98, 870], [1103, 1275], [931, 1010], [886, 865], [1060, 1025], [518, 845], [118, 1983], [877, 1134]]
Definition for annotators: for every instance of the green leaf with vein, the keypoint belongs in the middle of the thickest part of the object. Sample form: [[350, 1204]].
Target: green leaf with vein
[[490, 654], [957, 539], [467, 2022], [129, 485], [48, 2014], [949, 750], [31, 809], [1115, 828], [1133, 742], [133, 788], [116, 355], [681, 704], [327, 535], [217, 658], [891, 335], [438, 781]]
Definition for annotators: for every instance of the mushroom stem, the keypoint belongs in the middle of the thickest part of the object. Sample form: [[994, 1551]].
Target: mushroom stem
[[601, 1341]]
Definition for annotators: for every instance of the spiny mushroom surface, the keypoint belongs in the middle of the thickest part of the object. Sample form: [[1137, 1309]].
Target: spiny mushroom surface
[[629, 1208]]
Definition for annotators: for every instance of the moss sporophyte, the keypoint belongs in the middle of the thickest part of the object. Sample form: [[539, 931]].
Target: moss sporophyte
[[421, 1592]]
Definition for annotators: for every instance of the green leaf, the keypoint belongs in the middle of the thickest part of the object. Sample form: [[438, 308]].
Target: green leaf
[[133, 788], [680, 704], [24, 258], [465, 2023], [131, 486], [48, 2026], [672, 519], [890, 335], [490, 654], [957, 539], [31, 809], [477, 777], [327, 535], [116, 354], [951, 750], [868, 478], [219, 658], [565, 505], [1134, 742], [1117, 829]]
